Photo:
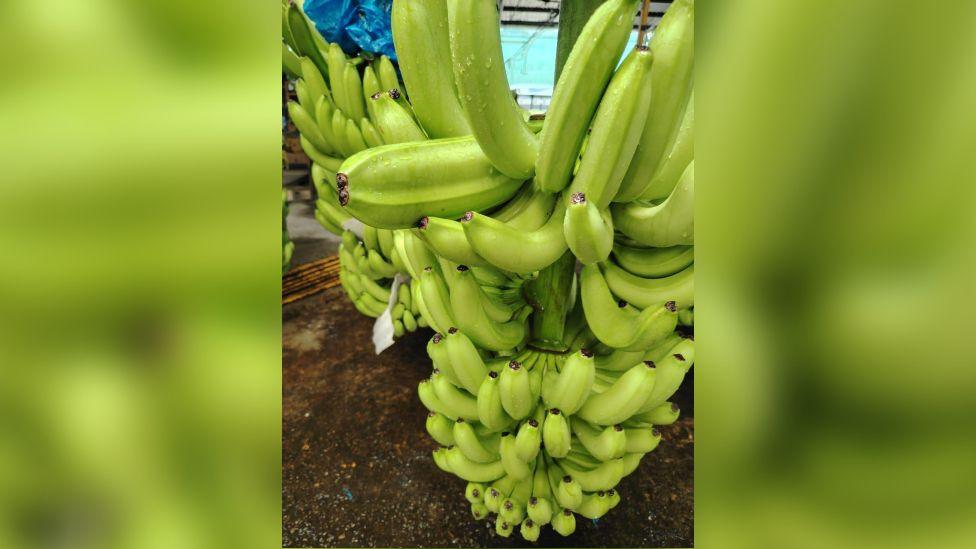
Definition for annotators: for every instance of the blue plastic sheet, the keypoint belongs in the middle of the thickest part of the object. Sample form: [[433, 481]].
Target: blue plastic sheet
[[356, 25]]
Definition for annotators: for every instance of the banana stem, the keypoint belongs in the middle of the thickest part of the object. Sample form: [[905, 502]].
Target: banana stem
[[641, 32], [552, 296]]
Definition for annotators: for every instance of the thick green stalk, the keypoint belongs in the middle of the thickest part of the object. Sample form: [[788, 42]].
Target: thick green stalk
[[573, 15], [552, 295]]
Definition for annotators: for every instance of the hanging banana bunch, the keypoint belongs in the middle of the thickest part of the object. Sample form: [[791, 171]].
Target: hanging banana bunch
[[547, 386]]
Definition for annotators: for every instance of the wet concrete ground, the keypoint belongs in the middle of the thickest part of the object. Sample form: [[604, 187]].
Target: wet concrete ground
[[356, 465]]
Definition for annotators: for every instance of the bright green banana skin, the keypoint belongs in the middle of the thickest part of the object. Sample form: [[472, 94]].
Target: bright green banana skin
[[645, 292], [619, 326], [616, 130], [577, 93], [420, 35], [483, 91], [670, 223], [515, 250], [471, 318], [654, 262], [446, 238], [394, 186], [673, 45], [681, 153], [588, 230]]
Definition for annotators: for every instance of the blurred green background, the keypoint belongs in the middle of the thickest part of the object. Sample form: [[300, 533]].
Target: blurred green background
[[139, 280]]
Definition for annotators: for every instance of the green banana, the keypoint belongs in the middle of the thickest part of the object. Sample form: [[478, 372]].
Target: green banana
[[373, 289], [472, 446], [669, 223], [641, 440], [371, 87], [491, 413], [686, 317], [670, 372], [673, 46], [336, 60], [301, 36], [470, 470], [603, 477], [457, 402], [615, 323], [353, 90], [436, 300], [305, 98], [394, 186], [616, 129], [665, 414], [681, 154], [539, 506], [341, 135], [588, 230], [324, 110], [513, 249], [471, 318], [440, 459], [567, 492], [465, 361], [503, 528], [556, 435], [630, 463], [603, 444], [314, 81], [290, 62], [577, 93], [564, 522], [528, 210], [479, 510], [514, 466], [529, 530], [437, 351], [618, 361], [370, 135], [387, 74], [483, 91], [653, 262], [286, 35], [440, 428], [447, 239], [499, 490], [425, 390], [474, 492], [594, 505], [516, 391], [354, 137], [409, 321], [420, 34], [614, 496], [622, 400], [318, 157], [306, 126], [645, 292], [569, 388], [527, 440]]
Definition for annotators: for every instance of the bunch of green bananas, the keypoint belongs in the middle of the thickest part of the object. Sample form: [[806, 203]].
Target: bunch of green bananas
[[366, 270], [287, 246], [482, 202]]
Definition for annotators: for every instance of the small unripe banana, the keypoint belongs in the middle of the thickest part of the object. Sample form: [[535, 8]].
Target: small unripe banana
[[556, 435]]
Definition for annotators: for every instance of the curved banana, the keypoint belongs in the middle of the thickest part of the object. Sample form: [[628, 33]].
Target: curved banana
[[527, 440], [622, 400], [440, 459], [530, 530], [669, 223], [556, 435], [615, 323], [670, 372], [539, 506], [645, 292], [302, 36], [577, 93], [603, 444], [665, 414], [324, 112], [446, 237], [681, 154], [425, 390], [458, 403], [569, 388], [514, 466], [614, 497], [588, 230], [370, 134], [618, 361], [393, 121], [393, 186], [653, 262], [516, 391], [474, 492], [641, 440], [673, 46], [436, 300], [354, 137], [616, 129], [471, 445], [466, 362], [503, 528], [516, 250], [603, 477], [304, 96], [314, 82], [471, 318], [318, 157], [491, 413], [420, 34], [528, 210], [470, 470], [567, 492], [483, 91], [290, 63], [498, 491], [371, 86], [307, 126], [440, 428], [338, 128], [354, 92]]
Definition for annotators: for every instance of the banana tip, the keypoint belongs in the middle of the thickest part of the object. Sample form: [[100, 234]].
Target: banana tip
[[679, 356], [395, 93], [514, 365], [452, 330], [621, 303], [467, 216], [462, 268], [533, 423], [437, 338], [578, 198], [671, 306], [422, 224], [649, 363], [587, 353]]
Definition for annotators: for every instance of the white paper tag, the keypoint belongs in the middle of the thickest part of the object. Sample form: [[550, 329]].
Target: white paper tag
[[354, 225], [383, 327]]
